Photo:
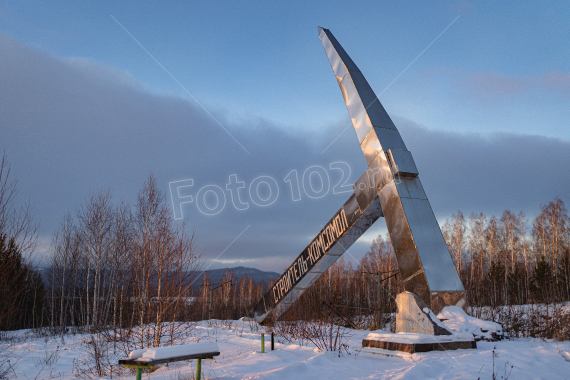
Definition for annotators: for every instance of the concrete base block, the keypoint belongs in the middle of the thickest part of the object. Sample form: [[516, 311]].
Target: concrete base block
[[412, 348], [413, 316]]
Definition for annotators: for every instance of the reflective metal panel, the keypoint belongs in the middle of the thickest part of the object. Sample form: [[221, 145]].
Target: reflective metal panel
[[436, 260], [370, 146], [417, 284], [340, 61], [439, 300], [356, 109], [410, 188], [374, 108], [400, 234], [366, 188], [353, 80], [402, 163], [389, 138]]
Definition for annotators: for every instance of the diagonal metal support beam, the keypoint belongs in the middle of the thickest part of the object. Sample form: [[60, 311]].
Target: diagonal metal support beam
[[344, 228]]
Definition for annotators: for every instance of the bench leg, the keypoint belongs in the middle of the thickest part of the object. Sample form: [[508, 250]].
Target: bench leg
[[139, 373], [198, 368]]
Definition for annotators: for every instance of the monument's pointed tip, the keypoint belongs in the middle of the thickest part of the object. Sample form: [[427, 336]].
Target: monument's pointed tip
[[320, 29]]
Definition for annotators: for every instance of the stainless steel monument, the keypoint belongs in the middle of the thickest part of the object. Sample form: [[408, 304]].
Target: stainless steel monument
[[390, 187]]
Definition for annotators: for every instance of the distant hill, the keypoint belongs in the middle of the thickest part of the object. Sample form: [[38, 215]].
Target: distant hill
[[216, 275]]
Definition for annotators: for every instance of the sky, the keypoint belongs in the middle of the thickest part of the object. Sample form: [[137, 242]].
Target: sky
[[217, 93]]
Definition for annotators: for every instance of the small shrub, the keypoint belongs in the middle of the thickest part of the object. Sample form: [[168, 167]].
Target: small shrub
[[324, 335]]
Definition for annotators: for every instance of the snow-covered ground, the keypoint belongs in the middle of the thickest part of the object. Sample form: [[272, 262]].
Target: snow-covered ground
[[44, 358]]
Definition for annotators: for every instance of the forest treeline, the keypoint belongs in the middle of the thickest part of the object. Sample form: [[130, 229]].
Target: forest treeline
[[131, 268], [509, 260], [502, 261]]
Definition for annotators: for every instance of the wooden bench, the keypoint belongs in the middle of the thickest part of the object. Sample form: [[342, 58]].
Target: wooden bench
[[147, 358]]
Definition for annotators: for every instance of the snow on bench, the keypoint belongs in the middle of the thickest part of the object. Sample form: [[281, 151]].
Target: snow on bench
[[161, 355]]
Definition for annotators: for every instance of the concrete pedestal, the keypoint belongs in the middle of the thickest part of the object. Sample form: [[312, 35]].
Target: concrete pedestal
[[412, 343], [418, 330]]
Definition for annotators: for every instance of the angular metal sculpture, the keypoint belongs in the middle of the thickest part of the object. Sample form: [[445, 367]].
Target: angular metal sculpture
[[390, 186], [426, 267]]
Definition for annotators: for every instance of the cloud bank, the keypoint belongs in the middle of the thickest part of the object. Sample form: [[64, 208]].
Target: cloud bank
[[71, 126]]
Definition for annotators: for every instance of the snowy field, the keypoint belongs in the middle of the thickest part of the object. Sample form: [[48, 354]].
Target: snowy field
[[46, 357]]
